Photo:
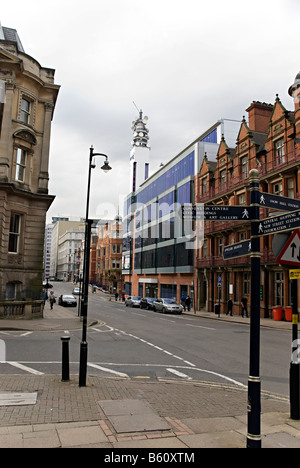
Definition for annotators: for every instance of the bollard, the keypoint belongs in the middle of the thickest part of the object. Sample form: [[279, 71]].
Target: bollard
[[65, 359]]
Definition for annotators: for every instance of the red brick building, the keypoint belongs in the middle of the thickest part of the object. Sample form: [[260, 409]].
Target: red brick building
[[270, 143], [108, 251]]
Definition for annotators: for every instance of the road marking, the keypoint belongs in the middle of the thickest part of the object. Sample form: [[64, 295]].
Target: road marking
[[156, 347], [179, 374], [168, 320], [141, 315], [104, 369], [199, 326], [24, 368], [27, 333]]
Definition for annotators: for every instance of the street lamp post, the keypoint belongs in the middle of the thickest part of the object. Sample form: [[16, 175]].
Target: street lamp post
[[86, 267]]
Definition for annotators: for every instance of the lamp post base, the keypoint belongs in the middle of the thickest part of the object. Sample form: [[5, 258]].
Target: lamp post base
[[83, 363]]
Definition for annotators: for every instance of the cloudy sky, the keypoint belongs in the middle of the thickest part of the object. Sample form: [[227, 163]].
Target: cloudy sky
[[185, 64]]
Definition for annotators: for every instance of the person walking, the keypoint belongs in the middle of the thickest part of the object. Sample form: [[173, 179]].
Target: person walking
[[52, 299], [229, 307], [188, 302], [244, 303], [182, 300], [45, 297]]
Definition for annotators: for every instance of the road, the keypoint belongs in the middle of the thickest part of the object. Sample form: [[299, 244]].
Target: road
[[142, 344]]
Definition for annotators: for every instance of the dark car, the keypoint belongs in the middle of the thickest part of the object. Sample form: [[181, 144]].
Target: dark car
[[147, 303], [67, 300]]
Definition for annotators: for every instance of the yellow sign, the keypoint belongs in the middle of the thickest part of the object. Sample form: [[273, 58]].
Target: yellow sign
[[294, 274]]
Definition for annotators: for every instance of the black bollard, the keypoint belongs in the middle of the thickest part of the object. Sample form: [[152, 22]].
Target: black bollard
[[65, 359]]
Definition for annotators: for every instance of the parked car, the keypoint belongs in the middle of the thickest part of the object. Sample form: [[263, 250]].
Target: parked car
[[167, 306], [133, 301], [147, 303], [76, 291], [67, 300]]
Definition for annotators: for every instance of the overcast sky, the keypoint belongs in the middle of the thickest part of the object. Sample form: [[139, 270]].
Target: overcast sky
[[185, 64]]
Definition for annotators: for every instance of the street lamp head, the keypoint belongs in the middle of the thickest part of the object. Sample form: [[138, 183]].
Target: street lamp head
[[106, 167]]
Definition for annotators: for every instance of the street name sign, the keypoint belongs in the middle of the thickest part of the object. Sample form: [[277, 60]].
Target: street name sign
[[240, 249], [290, 254], [216, 212], [294, 274], [278, 202], [281, 223]]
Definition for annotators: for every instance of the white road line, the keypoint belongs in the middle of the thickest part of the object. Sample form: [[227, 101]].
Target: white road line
[[179, 374], [104, 369], [199, 326], [24, 368], [27, 333]]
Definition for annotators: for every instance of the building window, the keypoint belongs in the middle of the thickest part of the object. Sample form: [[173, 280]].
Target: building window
[[21, 165], [246, 284], [223, 178], [278, 289], [244, 165], [204, 185], [25, 111], [277, 188], [220, 245], [242, 199], [279, 151], [14, 233], [290, 188]]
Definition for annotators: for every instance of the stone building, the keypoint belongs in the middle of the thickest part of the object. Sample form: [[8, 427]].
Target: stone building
[[28, 96]]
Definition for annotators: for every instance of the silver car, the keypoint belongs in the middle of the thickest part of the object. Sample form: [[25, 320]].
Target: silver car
[[167, 306], [133, 301]]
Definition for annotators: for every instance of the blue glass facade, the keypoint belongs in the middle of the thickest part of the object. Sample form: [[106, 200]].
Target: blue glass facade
[[154, 221]]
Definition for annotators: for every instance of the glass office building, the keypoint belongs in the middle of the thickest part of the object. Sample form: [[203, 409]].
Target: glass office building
[[158, 250]]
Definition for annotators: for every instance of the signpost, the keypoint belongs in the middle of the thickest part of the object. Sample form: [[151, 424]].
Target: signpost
[[278, 202], [216, 212], [290, 255], [241, 249], [281, 223]]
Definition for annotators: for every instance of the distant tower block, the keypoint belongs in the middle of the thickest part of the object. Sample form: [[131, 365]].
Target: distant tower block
[[140, 153]]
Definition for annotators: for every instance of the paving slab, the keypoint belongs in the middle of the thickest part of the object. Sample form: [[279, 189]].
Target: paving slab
[[228, 439], [133, 416], [77, 436], [18, 399]]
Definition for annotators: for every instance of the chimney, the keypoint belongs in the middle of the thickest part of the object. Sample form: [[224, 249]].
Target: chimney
[[259, 114]]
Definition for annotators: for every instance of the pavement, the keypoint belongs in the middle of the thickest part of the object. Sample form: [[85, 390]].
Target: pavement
[[41, 411]]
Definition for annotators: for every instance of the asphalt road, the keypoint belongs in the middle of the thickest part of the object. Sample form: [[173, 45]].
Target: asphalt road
[[142, 344]]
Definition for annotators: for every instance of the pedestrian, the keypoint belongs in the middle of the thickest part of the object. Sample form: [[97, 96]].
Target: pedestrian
[[188, 303], [52, 299], [45, 297], [229, 307], [116, 296], [182, 300], [244, 303]]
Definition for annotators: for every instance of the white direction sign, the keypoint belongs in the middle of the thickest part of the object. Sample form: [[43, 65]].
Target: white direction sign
[[290, 254]]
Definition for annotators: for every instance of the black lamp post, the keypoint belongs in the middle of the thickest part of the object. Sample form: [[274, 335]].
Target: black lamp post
[[86, 266]]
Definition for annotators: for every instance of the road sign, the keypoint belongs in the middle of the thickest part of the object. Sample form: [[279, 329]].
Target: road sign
[[290, 254], [216, 212], [237, 250], [281, 223], [277, 202], [294, 274]]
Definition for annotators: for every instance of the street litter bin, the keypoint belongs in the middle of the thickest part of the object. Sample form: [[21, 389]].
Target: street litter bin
[[217, 309], [277, 313], [288, 313]]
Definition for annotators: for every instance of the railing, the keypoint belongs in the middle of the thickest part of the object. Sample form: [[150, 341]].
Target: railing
[[21, 309]]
